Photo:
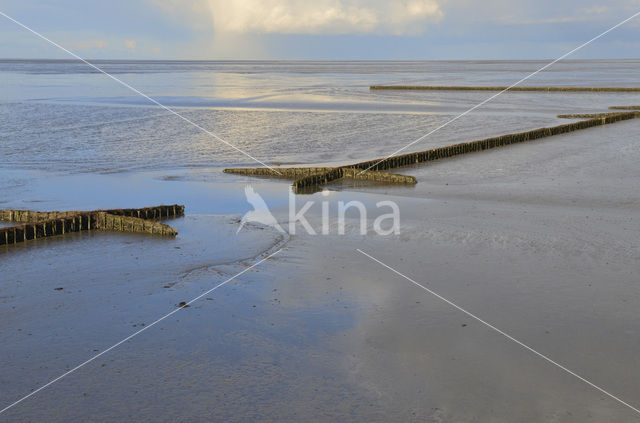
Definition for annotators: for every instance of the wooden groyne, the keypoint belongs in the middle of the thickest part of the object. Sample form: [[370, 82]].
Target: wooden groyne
[[285, 172], [122, 223], [488, 143], [45, 224], [157, 212], [311, 179], [306, 179], [516, 88], [624, 107], [585, 115], [310, 184]]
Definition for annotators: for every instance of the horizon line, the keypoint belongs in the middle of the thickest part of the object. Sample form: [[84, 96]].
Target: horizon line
[[309, 60]]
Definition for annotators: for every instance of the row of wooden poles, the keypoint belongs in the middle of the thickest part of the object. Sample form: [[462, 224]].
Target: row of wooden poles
[[311, 183], [488, 143], [45, 224], [305, 177], [517, 88], [310, 179]]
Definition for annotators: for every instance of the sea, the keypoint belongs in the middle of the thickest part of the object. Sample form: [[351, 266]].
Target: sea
[[320, 332], [65, 116]]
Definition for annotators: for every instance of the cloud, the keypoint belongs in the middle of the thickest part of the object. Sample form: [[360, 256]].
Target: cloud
[[130, 44], [584, 14], [196, 14], [89, 44], [323, 16]]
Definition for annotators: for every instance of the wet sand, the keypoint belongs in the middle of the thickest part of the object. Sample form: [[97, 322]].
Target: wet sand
[[538, 239], [543, 245]]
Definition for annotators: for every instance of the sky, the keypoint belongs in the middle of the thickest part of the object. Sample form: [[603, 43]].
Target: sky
[[319, 29]]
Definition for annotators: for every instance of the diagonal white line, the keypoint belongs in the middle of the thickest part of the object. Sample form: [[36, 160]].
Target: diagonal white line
[[506, 335], [503, 91], [136, 333], [121, 82]]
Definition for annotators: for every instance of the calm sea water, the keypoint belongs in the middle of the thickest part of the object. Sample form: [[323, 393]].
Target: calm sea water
[[317, 334], [64, 116]]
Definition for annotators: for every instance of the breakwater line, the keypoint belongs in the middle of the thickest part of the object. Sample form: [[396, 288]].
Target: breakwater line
[[311, 179], [624, 107], [489, 143], [307, 180], [517, 88], [36, 224]]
